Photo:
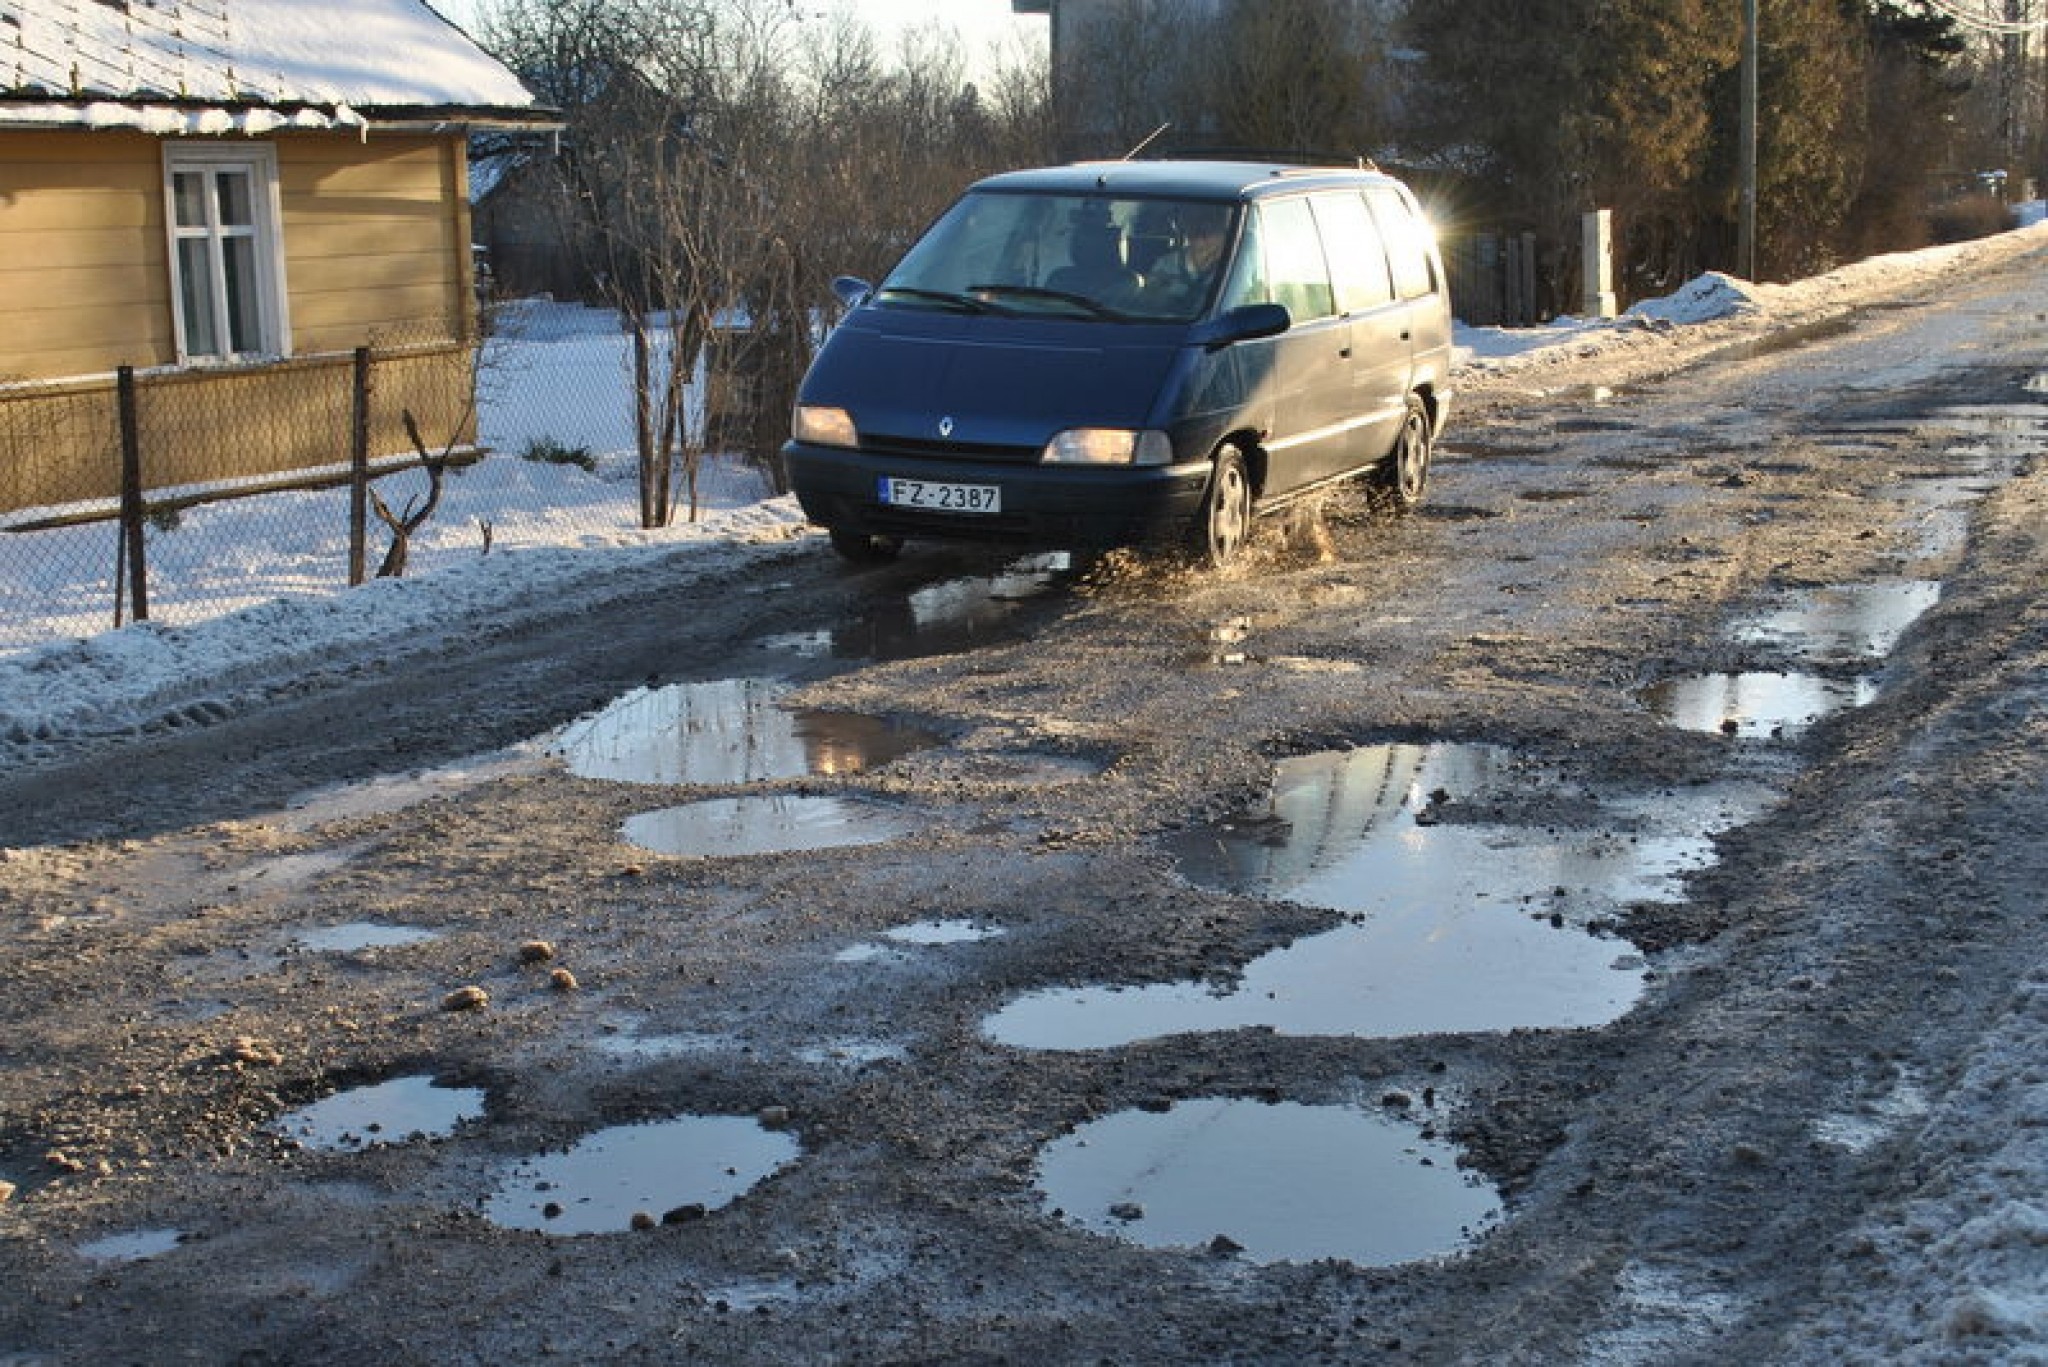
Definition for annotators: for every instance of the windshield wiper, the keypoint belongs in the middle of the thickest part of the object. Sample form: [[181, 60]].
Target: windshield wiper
[[1094, 307], [966, 303]]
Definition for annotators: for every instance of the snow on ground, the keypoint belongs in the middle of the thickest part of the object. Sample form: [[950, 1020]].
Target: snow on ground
[[558, 374]]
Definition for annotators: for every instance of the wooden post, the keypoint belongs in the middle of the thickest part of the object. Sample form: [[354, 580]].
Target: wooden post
[[359, 468], [1597, 264], [131, 499]]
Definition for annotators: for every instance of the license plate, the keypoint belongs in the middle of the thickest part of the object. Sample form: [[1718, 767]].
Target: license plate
[[939, 497]]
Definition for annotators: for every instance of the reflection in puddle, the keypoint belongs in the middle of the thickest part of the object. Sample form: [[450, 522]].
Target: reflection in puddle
[[1283, 1183], [672, 1169], [916, 933], [1461, 927], [940, 619], [391, 1112], [1757, 704], [942, 933], [132, 1247], [629, 1045], [359, 935], [854, 1053], [723, 732], [776, 824], [1847, 623], [1944, 504]]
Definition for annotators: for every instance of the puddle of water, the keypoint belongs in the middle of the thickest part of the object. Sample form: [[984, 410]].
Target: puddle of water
[[133, 1246], [391, 1112], [628, 1045], [1843, 624], [1461, 927], [1943, 507], [725, 731], [1354, 831], [1758, 704], [916, 933], [868, 953], [676, 1168], [942, 933], [359, 935], [939, 619], [845, 1053], [1283, 1183], [1403, 973], [719, 828]]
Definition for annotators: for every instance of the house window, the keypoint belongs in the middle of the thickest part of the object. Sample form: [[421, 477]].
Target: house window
[[227, 271]]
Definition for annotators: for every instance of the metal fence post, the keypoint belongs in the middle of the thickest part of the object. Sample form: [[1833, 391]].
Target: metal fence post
[[359, 468], [131, 499]]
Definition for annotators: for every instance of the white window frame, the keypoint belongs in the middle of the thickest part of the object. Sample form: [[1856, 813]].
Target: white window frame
[[259, 162]]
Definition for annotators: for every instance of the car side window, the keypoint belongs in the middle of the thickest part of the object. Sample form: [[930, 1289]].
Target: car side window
[[1247, 281], [1407, 242], [1300, 278], [1358, 261]]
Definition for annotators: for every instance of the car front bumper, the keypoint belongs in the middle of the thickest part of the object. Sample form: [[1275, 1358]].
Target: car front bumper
[[1042, 505]]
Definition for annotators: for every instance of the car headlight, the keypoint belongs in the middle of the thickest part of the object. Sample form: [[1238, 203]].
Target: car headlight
[[1108, 446], [821, 426]]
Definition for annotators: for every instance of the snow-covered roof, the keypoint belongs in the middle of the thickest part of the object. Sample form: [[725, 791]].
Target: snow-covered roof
[[247, 65]]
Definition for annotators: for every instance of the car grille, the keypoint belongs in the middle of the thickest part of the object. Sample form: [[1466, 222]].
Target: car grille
[[914, 448]]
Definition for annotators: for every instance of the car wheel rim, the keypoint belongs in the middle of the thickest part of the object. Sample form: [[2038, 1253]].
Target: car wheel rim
[[1414, 467]]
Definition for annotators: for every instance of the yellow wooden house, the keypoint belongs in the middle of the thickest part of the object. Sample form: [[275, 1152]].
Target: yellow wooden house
[[233, 198]]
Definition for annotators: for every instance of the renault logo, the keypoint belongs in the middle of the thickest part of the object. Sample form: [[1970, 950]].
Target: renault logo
[[946, 426]]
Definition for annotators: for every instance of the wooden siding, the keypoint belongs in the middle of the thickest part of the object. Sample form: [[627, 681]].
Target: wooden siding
[[84, 278], [375, 239], [376, 253]]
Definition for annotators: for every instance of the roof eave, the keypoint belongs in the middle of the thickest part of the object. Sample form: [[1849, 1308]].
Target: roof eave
[[21, 110]]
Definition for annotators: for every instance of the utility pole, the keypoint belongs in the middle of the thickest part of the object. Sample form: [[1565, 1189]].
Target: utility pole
[[1745, 238]]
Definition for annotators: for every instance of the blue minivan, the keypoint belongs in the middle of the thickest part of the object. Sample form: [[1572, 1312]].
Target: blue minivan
[[1115, 353]]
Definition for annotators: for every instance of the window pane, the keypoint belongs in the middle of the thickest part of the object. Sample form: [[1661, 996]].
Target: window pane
[[1358, 264], [195, 294], [1294, 255], [1407, 243], [235, 210], [188, 190], [238, 261]]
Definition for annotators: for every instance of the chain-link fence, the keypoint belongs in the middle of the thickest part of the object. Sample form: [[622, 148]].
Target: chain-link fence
[[185, 495]]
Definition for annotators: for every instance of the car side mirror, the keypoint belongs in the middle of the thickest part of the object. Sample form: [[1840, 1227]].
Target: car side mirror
[[1245, 323], [852, 290]]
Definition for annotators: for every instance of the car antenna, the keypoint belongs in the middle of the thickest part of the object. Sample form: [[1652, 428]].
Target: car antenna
[[1146, 141]]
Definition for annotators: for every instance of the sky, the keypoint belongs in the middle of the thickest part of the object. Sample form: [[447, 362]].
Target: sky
[[979, 23]]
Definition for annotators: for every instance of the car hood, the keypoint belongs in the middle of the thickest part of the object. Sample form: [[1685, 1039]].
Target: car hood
[[989, 382]]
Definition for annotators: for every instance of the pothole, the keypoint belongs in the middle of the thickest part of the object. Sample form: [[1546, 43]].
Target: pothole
[[723, 828], [948, 932], [1759, 704], [669, 1171], [131, 1246], [394, 1112], [1458, 925], [354, 936], [1272, 1183], [1845, 623], [940, 619], [723, 732]]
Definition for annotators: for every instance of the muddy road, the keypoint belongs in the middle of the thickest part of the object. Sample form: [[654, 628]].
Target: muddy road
[[1591, 920]]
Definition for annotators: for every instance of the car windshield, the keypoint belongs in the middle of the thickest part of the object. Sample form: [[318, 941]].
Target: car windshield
[[1079, 256]]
